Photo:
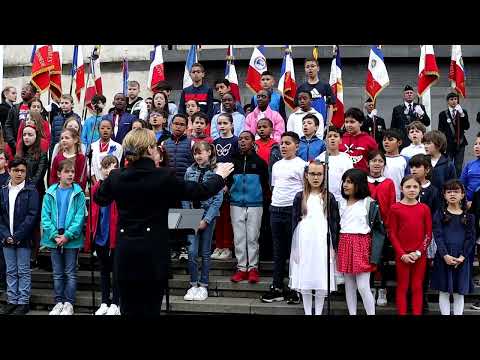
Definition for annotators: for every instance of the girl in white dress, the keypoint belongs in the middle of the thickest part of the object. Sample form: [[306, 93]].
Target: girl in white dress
[[308, 257]]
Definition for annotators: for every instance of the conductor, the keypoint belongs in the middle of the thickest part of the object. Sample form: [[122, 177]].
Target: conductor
[[143, 193]]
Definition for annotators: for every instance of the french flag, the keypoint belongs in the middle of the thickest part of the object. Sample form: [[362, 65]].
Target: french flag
[[42, 63], [94, 85], [456, 74], [336, 84], [56, 72], [427, 69], [192, 58], [231, 74], [78, 70], [125, 75], [157, 70], [287, 85], [257, 65], [377, 75]]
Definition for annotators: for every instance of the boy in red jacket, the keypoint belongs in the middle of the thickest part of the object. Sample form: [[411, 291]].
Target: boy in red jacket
[[103, 225], [356, 143]]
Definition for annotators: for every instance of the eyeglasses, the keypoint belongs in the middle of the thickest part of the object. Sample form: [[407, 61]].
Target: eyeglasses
[[315, 174]]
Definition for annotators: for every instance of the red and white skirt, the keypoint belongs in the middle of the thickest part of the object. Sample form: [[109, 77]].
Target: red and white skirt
[[353, 255]]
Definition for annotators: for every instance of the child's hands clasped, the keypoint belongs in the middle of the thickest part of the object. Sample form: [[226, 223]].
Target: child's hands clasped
[[408, 258], [61, 240], [450, 260]]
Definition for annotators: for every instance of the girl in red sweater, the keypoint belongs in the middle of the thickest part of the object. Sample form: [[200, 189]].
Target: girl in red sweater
[[410, 231], [383, 191]]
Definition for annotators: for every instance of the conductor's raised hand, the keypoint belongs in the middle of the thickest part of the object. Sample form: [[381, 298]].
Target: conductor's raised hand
[[224, 169]]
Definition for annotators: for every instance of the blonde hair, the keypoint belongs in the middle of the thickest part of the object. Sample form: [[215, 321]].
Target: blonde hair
[[76, 136], [137, 142], [203, 145]]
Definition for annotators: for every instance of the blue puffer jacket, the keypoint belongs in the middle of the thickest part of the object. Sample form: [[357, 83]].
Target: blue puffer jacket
[[26, 214], [310, 149], [212, 205], [179, 154], [57, 126], [249, 181]]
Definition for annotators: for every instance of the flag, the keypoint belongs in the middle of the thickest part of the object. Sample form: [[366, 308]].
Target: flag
[[41, 65], [192, 58], [125, 75], [231, 74], [94, 85], [157, 70], [78, 70], [56, 72], [377, 75], [456, 74], [287, 85], [427, 70], [315, 52], [257, 65], [337, 88]]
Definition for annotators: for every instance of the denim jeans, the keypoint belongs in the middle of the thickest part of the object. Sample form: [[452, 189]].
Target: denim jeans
[[281, 222], [19, 277], [202, 243], [64, 265]]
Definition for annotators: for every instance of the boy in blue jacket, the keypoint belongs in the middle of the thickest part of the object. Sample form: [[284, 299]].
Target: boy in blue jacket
[[19, 211], [310, 145], [63, 217]]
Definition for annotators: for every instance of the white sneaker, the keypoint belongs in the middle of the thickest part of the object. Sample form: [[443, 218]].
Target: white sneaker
[[226, 254], [191, 293], [183, 254], [201, 294], [57, 309], [382, 297], [215, 254], [113, 310], [67, 309], [102, 310]]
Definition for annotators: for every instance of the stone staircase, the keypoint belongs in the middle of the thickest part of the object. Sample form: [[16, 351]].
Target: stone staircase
[[225, 297]]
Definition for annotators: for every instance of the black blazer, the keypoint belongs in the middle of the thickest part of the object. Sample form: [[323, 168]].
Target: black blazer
[[377, 124], [400, 120], [445, 126], [143, 194]]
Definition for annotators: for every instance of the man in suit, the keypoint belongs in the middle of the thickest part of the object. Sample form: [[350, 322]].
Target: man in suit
[[408, 112], [373, 125], [453, 122]]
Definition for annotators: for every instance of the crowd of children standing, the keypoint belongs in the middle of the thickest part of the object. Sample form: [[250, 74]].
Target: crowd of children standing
[[384, 200]]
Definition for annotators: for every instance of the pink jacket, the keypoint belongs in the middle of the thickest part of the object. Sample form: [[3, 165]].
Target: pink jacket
[[277, 120]]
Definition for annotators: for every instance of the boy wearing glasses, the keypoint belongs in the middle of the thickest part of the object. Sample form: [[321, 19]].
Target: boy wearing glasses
[[263, 110]]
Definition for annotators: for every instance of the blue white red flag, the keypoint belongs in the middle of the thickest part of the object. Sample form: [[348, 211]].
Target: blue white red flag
[[94, 85], [377, 75], [125, 75], [336, 84], [192, 58], [231, 74], [157, 70], [257, 65], [287, 84], [456, 74], [427, 70]]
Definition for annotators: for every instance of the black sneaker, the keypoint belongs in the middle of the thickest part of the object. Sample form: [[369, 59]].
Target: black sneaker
[[174, 255], [21, 310], [292, 297], [476, 306], [7, 309], [273, 295]]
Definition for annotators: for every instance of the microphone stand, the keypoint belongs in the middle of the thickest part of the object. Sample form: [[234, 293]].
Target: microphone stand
[[88, 159], [327, 200]]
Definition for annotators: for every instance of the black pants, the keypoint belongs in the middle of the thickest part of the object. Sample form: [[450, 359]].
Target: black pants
[[281, 223], [457, 157], [3, 269], [141, 298], [265, 239], [105, 255]]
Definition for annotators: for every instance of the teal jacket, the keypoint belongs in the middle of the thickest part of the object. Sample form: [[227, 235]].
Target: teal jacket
[[73, 222]]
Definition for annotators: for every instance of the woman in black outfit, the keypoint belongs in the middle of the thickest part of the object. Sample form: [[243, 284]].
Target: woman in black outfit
[[143, 193]]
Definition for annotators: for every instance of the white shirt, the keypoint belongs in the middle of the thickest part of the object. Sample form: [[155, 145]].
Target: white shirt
[[12, 196], [434, 161], [338, 164], [395, 170], [114, 149], [408, 104], [353, 218], [412, 150], [287, 181], [295, 122]]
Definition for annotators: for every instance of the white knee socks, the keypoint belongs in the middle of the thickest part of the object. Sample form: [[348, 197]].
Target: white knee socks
[[362, 282], [444, 303], [307, 302]]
